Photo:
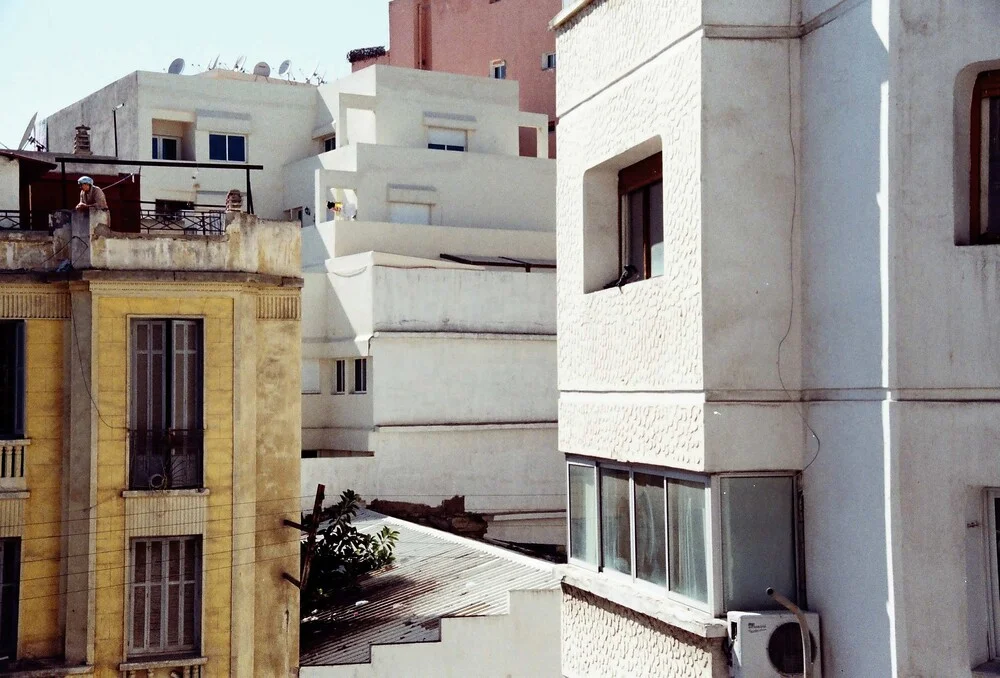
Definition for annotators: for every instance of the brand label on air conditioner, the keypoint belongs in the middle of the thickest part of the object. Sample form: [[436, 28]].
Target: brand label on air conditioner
[[754, 627]]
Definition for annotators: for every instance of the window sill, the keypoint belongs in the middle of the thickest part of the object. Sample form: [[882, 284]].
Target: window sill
[[162, 663], [624, 594], [195, 492], [990, 668]]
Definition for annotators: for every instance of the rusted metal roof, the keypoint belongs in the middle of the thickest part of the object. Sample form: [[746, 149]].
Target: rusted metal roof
[[435, 575]]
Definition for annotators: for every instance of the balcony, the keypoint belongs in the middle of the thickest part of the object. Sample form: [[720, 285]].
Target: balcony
[[166, 460], [12, 454]]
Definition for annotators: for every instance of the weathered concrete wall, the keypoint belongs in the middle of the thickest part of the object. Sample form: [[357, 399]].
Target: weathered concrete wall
[[9, 184], [600, 638], [524, 643], [95, 112]]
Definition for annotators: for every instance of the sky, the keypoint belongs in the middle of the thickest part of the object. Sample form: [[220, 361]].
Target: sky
[[55, 52]]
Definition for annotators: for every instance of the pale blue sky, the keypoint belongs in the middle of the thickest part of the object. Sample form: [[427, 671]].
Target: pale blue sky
[[55, 52]]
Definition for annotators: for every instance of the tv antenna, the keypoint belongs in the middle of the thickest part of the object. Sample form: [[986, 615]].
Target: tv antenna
[[238, 66], [214, 63], [28, 133], [283, 68], [322, 78], [261, 70], [176, 66]]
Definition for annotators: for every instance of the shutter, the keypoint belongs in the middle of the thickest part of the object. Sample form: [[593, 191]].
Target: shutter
[[19, 360], [140, 607], [443, 136], [186, 405], [173, 593], [12, 378], [156, 594]]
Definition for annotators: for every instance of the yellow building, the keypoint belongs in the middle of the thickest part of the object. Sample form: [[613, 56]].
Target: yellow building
[[149, 450]]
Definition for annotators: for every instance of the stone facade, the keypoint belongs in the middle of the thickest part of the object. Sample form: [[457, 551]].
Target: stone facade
[[603, 640]]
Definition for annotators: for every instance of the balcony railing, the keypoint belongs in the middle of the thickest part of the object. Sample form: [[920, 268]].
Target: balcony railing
[[190, 222], [166, 460], [12, 461], [13, 220]]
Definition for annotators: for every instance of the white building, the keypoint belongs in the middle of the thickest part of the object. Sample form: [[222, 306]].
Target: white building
[[425, 378], [813, 212], [429, 357]]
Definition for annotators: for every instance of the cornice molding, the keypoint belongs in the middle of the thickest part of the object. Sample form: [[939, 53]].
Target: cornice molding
[[279, 306], [34, 304]]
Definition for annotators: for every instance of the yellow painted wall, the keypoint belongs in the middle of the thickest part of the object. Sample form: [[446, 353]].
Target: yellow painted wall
[[278, 448], [39, 633], [111, 320]]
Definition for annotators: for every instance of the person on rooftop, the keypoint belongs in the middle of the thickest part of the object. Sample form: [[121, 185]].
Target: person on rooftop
[[91, 196]]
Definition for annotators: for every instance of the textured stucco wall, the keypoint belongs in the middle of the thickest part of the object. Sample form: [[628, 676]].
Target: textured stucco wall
[[601, 639]]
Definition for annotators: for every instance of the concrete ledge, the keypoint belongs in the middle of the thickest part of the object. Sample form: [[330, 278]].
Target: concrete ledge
[[667, 611], [177, 663], [568, 13]]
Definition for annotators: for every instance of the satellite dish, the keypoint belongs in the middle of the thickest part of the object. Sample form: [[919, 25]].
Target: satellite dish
[[285, 65], [262, 69], [239, 63], [28, 131], [215, 62], [176, 66]]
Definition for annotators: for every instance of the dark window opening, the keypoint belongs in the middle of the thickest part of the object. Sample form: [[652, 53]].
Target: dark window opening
[[640, 191], [985, 154], [166, 431], [330, 143], [361, 375], [11, 379], [10, 584], [445, 147], [341, 386], [227, 147]]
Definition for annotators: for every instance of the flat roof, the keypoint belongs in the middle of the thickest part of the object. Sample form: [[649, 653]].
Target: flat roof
[[435, 575]]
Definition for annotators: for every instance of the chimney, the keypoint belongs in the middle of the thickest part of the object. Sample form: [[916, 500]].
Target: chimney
[[81, 142]]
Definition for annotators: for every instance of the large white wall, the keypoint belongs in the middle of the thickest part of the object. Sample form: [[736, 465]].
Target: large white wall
[[10, 197]]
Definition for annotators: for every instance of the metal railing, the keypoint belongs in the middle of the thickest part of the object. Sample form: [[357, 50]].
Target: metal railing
[[188, 222], [166, 460], [10, 220]]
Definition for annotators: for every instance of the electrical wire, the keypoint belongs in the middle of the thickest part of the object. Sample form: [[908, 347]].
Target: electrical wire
[[799, 407]]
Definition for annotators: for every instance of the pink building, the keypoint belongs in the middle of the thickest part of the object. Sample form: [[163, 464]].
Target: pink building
[[498, 38]]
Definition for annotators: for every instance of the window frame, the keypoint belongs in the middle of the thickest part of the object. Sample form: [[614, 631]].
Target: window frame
[[327, 147], [195, 649], [639, 176], [990, 496], [227, 136], [713, 600], [17, 431], [548, 61], [169, 395], [498, 69], [318, 390], [363, 362], [340, 377], [158, 146]]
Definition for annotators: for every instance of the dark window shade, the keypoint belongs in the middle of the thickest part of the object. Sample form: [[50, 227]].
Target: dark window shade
[[217, 147], [341, 377], [10, 580], [168, 149], [12, 379], [237, 149], [984, 172], [165, 596]]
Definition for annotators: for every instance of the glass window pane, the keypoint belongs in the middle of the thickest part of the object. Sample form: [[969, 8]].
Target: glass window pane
[[310, 376], [237, 149], [616, 527], [656, 229], [217, 146], [169, 149], [650, 529], [686, 519], [758, 541], [156, 148], [634, 215], [583, 513]]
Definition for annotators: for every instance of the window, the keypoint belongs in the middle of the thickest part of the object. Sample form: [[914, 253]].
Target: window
[[640, 191], [654, 527], [11, 379], [165, 409], [758, 538], [330, 143], [164, 600], [444, 139], [10, 583], [310, 454], [498, 69], [360, 375], [409, 213], [227, 147], [341, 385], [548, 61], [165, 148], [993, 542], [310, 376], [984, 218]]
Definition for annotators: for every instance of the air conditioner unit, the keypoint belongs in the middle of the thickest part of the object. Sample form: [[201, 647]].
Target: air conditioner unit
[[769, 644]]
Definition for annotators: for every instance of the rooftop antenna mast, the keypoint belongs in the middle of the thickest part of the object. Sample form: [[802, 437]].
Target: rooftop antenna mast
[[214, 63], [238, 66]]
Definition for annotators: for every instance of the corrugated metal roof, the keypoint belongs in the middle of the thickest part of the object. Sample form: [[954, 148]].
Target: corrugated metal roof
[[435, 575]]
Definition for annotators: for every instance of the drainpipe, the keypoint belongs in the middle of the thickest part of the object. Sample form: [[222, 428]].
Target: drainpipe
[[807, 665]]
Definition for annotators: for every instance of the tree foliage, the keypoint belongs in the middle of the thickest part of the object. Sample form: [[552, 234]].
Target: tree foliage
[[343, 554]]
